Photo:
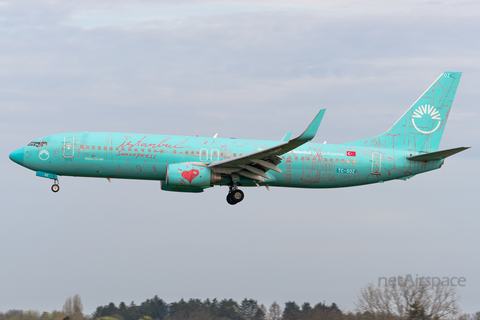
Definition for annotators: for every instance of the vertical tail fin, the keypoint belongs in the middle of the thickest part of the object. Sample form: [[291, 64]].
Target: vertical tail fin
[[420, 129]]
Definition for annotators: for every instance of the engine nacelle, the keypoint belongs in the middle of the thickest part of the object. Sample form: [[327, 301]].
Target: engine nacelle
[[164, 187], [189, 175]]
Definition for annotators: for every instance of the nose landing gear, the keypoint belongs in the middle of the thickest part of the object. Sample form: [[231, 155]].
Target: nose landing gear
[[55, 187], [234, 195]]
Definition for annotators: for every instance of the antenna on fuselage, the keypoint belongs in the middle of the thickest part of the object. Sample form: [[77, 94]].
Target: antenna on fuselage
[[216, 134]]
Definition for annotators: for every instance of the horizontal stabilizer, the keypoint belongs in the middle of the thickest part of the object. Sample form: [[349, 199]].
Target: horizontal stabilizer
[[437, 155]]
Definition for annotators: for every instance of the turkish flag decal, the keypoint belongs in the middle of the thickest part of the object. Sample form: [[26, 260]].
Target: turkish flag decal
[[351, 153]]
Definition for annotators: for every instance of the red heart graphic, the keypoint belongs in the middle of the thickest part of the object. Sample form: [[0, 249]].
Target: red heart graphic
[[190, 175]]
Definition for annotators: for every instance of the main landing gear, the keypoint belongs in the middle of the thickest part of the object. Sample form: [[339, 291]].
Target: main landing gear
[[234, 195], [55, 187]]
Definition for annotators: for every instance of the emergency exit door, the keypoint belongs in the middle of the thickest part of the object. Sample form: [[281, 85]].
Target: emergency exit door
[[68, 147], [376, 163]]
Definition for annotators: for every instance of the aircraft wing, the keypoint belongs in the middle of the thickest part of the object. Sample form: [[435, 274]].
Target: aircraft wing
[[255, 164]]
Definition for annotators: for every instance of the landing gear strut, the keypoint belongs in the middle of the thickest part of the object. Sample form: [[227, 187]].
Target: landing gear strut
[[234, 195], [55, 187]]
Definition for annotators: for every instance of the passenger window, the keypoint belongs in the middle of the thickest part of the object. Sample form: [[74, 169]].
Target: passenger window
[[325, 159], [354, 161], [142, 150], [283, 157], [123, 148], [87, 147], [100, 148], [129, 149], [111, 148], [161, 150], [149, 150], [155, 150], [81, 147], [296, 158], [93, 147], [234, 154], [136, 149], [221, 154], [331, 160], [302, 158], [229, 155], [348, 161], [116, 149], [308, 158], [336, 160], [343, 160], [174, 151], [241, 154]]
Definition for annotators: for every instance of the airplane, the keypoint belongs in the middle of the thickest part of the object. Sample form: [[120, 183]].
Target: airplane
[[193, 164]]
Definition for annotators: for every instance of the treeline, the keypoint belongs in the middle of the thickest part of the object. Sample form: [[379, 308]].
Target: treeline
[[248, 309], [72, 310]]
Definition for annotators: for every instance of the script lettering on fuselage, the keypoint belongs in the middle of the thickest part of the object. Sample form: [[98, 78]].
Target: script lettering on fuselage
[[162, 144], [137, 155]]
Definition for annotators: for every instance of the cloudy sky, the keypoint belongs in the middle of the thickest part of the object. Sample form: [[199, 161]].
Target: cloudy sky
[[245, 69]]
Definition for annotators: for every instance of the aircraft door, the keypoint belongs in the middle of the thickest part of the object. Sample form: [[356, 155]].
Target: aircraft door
[[68, 147], [376, 163], [203, 154]]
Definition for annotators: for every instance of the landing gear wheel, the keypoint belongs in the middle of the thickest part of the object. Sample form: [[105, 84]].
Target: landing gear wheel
[[237, 195], [234, 195], [55, 188], [230, 200]]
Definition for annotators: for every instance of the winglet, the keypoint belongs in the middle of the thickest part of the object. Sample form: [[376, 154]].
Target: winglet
[[286, 137], [312, 128]]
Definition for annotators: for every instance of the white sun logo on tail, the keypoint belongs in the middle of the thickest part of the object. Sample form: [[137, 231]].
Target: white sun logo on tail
[[426, 112]]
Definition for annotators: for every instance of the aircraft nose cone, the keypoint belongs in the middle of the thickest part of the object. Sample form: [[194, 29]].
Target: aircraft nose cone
[[17, 156]]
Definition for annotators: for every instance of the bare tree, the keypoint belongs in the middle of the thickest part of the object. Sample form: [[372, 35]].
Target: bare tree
[[408, 298], [466, 316], [264, 310], [73, 307], [77, 308], [275, 311], [68, 306], [77, 304]]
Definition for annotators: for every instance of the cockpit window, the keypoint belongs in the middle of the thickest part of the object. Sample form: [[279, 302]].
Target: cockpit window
[[37, 144]]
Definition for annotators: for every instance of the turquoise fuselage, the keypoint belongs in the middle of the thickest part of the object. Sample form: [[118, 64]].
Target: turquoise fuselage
[[146, 156]]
